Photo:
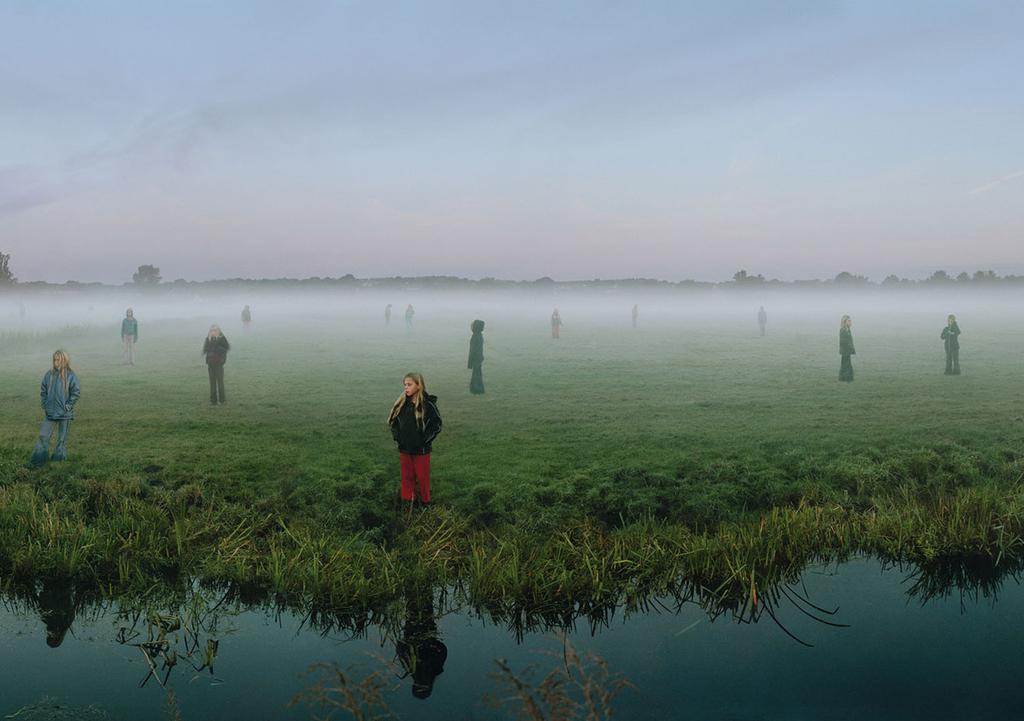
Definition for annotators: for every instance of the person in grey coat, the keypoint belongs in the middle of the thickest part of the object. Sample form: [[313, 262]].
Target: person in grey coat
[[58, 394], [951, 340], [846, 350]]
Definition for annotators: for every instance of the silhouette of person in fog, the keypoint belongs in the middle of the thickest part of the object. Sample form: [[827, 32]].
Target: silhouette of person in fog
[[246, 317], [476, 357], [762, 319], [556, 324], [387, 315], [57, 609], [951, 340], [846, 350], [421, 653], [636, 314], [409, 313]]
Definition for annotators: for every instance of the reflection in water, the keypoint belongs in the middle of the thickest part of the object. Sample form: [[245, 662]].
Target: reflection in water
[[420, 652], [57, 609]]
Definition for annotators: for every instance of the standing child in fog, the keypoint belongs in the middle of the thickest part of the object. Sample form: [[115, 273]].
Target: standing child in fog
[[762, 319], [216, 348], [846, 350], [476, 357], [58, 393], [387, 315], [636, 314], [556, 324], [246, 317], [415, 423], [129, 336], [951, 339], [409, 313]]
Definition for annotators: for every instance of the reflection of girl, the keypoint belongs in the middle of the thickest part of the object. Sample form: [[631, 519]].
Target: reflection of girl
[[415, 423], [556, 324], [58, 393], [846, 350], [476, 357], [216, 348], [951, 339]]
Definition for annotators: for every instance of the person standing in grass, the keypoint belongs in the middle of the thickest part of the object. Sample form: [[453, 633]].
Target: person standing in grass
[[556, 324], [409, 313], [846, 350], [387, 315], [129, 336], [476, 357], [246, 318], [636, 314], [216, 348], [58, 394], [951, 339], [762, 319], [415, 423]]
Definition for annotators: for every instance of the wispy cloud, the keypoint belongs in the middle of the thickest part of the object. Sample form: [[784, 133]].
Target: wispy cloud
[[998, 181]]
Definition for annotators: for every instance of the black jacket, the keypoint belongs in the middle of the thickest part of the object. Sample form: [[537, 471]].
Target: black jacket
[[407, 433], [846, 342], [216, 350], [951, 337]]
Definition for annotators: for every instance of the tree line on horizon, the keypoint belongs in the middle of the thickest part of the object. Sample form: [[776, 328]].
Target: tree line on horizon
[[148, 276]]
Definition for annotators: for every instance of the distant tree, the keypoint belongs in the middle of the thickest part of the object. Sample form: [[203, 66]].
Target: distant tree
[[845, 278], [939, 276], [146, 275], [985, 276], [892, 280], [963, 278], [742, 277], [6, 276]]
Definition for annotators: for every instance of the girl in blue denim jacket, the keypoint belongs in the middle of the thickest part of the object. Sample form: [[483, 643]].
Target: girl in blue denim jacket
[[58, 394]]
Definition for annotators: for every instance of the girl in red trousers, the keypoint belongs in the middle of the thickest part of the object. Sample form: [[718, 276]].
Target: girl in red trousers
[[415, 423]]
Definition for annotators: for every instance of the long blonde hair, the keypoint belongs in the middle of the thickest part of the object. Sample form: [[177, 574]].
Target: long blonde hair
[[62, 364], [417, 400], [844, 322]]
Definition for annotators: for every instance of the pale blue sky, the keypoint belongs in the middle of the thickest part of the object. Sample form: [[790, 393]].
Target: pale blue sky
[[516, 139]]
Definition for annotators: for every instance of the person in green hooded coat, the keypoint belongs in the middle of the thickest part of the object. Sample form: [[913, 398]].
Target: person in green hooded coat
[[476, 357]]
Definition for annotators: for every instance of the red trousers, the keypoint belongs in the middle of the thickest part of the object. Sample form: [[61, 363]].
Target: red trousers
[[415, 474]]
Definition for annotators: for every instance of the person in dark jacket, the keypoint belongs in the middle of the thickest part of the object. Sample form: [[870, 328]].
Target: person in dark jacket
[[216, 348], [409, 314], [951, 339], [476, 357], [129, 336], [58, 394], [415, 423], [846, 350]]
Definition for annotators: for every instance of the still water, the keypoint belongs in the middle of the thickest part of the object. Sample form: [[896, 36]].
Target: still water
[[887, 651]]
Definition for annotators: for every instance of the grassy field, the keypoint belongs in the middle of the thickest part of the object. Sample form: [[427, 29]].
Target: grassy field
[[688, 423]]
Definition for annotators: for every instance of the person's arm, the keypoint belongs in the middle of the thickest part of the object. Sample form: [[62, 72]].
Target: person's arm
[[42, 391], [433, 424], [74, 391]]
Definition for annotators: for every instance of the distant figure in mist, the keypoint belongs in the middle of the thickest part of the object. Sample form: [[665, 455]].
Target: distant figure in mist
[[636, 315], [556, 324], [387, 315], [420, 651], [951, 339], [246, 318], [846, 350], [415, 423], [476, 357], [129, 336], [409, 314], [216, 348], [762, 319], [58, 394]]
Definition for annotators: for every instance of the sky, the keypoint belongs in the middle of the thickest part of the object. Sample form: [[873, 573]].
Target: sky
[[521, 139]]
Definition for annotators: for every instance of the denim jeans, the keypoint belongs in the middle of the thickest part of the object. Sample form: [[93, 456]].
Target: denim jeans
[[43, 444]]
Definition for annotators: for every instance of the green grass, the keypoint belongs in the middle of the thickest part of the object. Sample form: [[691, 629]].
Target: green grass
[[689, 446]]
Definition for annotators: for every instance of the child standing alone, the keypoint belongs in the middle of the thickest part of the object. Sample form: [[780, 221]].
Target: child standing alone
[[59, 392], [415, 423]]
